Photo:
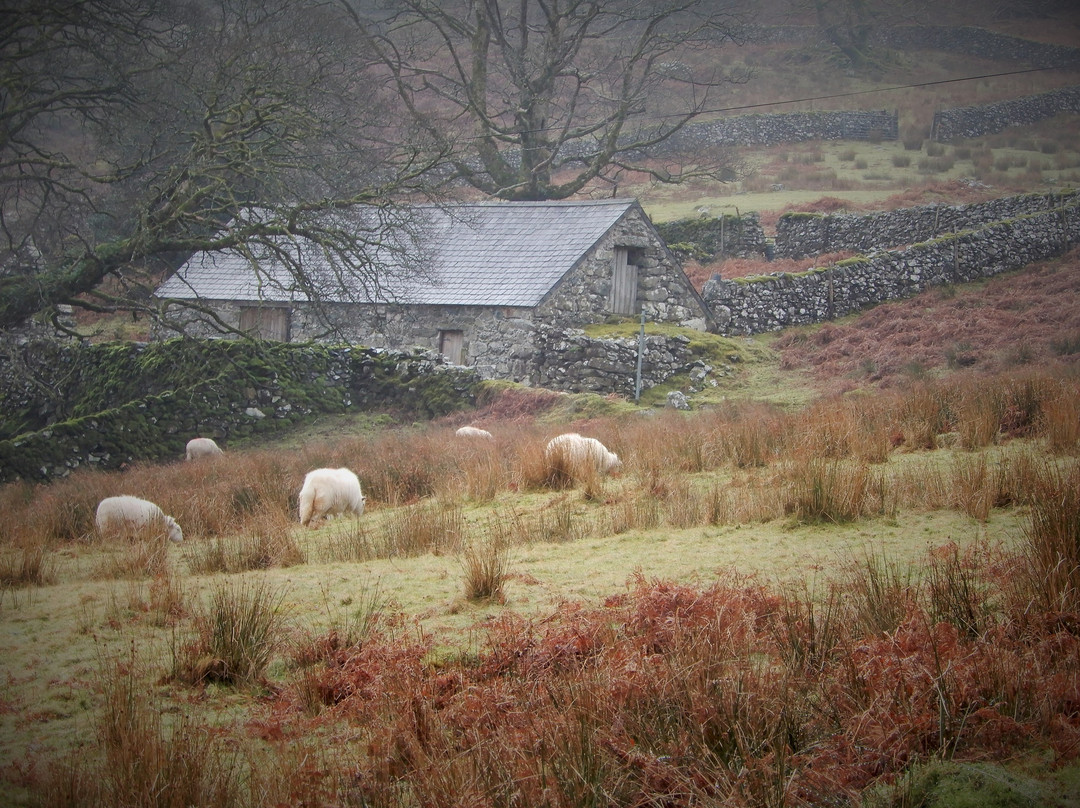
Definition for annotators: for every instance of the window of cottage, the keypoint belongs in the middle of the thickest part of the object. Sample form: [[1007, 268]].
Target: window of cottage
[[266, 322], [622, 298], [452, 346]]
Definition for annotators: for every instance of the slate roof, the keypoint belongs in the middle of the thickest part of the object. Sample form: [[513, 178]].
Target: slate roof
[[486, 253]]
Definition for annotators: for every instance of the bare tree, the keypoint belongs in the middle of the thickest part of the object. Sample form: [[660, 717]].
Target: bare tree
[[540, 99], [133, 133], [850, 26]]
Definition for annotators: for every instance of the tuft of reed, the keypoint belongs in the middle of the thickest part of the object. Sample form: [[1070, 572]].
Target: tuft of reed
[[350, 542], [267, 541], [879, 593], [235, 635], [1052, 536], [144, 554], [143, 759], [810, 627], [484, 566], [427, 527], [955, 592], [977, 485], [1061, 421], [33, 565], [837, 491]]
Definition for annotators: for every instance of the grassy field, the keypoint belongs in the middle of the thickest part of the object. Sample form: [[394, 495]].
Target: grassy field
[[848, 506]]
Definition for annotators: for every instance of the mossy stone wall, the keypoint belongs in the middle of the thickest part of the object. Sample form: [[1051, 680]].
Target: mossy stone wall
[[106, 405], [772, 302]]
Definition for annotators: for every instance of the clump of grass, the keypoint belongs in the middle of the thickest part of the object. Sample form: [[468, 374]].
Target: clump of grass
[[810, 627], [143, 555], [924, 413], [827, 490], [1061, 421], [559, 523], [880, 592], [236, 635], [350, 541], [955, 592], [33, 565], [427, 527], [265, 542], [168, 599], [1052, 536], [140, 758], [977, 486], [641, 512], [484, 565]]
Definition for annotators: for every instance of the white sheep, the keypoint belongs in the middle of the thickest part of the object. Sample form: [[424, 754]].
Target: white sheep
[[474, 432], [582, 452], [126, 514], [327, 492], [202, 447]]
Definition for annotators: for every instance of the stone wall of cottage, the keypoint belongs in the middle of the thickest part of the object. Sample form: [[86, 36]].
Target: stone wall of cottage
[[664, 292], [497, 342], [771, 302], [799, 235], [568, 360]]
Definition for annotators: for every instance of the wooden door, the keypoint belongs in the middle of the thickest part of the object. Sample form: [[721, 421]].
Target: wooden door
[[269, 322], [452, 346], [624, 280]]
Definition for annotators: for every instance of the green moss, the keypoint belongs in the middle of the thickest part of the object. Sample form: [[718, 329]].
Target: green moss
[[577, 406], [797, 215], [131, 402], [969, 785]]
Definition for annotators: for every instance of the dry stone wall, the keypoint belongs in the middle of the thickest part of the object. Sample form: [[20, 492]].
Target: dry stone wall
[[975, 41], [790, 127], [987, 119], [799, 235], [769, 303], [567, 359], [969, 39], [709, 238], [137, 401]]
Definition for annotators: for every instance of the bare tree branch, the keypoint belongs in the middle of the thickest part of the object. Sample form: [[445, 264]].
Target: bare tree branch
[[540, 100], [133, 134]]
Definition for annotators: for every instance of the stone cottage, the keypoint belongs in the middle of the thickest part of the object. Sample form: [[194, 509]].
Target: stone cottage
[[497, 272]]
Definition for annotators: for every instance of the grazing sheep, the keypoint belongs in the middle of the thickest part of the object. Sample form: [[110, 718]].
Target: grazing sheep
[[474, 432], [202, 447], [581, 452], [130, 514], [327, 492]]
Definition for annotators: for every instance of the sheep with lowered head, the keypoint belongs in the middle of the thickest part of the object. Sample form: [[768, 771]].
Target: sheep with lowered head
[[327, 492], [202, 447], [126, 515], [474, 432], [582, 453]]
